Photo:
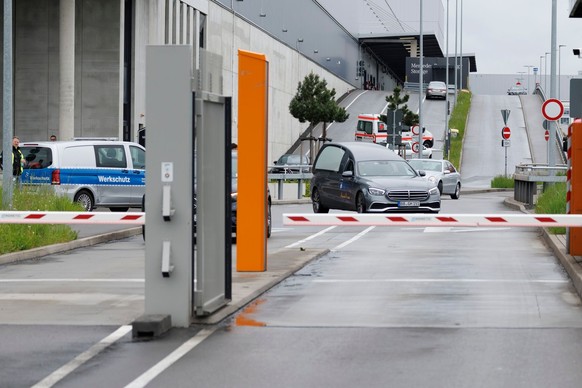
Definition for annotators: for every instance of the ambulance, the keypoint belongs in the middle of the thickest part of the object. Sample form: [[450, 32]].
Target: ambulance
[[370, 128]]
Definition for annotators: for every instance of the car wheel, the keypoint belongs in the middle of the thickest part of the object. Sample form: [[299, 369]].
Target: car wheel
[[360, 203], [457, 192], [85, 198], [316, 202], [119, 209], [440, 186]]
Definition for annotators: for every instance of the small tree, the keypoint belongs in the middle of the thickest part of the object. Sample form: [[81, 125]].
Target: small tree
[[315, 103], [396, 101]]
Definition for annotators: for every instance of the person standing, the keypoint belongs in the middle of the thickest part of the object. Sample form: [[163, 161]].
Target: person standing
[[53, 138], [18, 160]]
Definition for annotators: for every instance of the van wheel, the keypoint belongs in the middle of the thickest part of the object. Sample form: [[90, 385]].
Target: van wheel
[[119, 209], [85, 198], [428, 143]]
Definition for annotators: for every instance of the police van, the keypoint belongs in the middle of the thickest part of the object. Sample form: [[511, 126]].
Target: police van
[[95, 173]]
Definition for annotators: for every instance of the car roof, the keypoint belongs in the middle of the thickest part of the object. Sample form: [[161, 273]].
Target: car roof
[[367, 151], [436, 83]]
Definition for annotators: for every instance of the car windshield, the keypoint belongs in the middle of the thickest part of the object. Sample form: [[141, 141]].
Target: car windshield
[[437, 85], [385, 168], [427, 165], [289, 159]]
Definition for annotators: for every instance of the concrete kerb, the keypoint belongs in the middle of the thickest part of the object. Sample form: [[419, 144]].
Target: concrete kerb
[[572, 264], [39, 252]]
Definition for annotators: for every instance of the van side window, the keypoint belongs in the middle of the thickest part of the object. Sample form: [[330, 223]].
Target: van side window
[[330, 159], [137, 157], [365, 126], [110, 156], [37, 157]]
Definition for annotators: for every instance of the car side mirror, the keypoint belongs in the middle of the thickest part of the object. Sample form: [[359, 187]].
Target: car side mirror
[[348, 174], [421, 172], [275, 162], [446, 172]]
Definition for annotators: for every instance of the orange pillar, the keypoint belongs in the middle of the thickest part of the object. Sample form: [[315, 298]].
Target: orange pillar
[[251, 239], [575, 199]]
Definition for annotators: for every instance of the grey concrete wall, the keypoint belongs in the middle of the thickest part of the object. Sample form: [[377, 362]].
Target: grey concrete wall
[[36, 68]]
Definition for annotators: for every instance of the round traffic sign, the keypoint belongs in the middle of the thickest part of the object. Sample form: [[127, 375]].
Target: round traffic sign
[[552, 109], [415, 147], [415, 129], [547, 135], [506, 133]]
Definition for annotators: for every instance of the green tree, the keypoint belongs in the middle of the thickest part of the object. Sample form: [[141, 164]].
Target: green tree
[[397, 101], [315, 103]]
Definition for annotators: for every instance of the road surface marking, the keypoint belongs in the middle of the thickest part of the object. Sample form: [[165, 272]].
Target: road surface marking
[[356, 237], [550, 281], [170, 359], [310, 237], [69, 367]]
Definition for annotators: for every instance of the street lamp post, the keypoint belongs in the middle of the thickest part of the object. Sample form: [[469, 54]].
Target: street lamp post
[[528, 67], [546, 71], [560, 69], [540, 80]]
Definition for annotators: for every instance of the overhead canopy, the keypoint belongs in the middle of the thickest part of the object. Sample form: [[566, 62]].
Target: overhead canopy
[[392, 50]]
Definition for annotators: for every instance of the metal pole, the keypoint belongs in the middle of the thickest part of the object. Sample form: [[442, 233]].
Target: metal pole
[[7, 119], [528, 67], [540, 81], [420, 89], [456, 40], [560, 70], [461, 76], [552, 124], [447, 131], [546, 73]]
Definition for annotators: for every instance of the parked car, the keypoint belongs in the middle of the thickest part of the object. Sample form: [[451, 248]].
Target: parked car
[[408, 153], [436, 89], [289, 164], [442, 173], [366, 178], [94, 173], [517, 90]]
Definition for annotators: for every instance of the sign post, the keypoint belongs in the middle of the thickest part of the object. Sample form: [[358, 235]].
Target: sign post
[[505, 135], [552, 110]]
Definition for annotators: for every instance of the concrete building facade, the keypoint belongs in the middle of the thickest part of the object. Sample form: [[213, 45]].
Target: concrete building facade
[[79, 65]]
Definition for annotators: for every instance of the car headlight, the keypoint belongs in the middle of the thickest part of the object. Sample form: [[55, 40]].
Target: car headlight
[[434, 190], [432, 179], [375, 191]]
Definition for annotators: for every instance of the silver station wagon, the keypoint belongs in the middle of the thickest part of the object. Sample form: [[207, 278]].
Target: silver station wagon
[[366, 177]]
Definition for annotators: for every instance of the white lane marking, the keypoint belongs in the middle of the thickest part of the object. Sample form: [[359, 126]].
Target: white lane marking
[[550, 281], [310, 237], [69, 367], [69, 297], [170, 359], [356, 237], [444, 229], [72, 280]]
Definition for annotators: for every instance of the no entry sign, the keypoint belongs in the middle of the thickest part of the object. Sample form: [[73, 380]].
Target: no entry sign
[[506, 133], [552, 109]]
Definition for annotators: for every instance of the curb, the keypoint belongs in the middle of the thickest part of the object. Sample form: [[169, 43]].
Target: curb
[[36, 253], [571, 264]]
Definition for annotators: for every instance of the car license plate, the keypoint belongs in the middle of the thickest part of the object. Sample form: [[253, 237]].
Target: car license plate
[[408, 203]]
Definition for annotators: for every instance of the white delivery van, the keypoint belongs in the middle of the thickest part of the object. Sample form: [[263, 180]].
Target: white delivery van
[[370, 128], [96, 173]]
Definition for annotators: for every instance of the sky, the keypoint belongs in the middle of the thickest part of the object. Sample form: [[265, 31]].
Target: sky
[[506, 35]]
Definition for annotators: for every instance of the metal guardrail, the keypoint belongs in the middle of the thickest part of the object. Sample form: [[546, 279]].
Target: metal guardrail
[[527, 177], [292, 172]]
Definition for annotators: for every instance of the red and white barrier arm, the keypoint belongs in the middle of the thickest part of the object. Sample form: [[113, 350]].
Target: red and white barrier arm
[[41, 217], [463, 220]]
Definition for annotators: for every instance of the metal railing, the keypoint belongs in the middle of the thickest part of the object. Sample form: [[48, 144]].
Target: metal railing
[[290, 174], [527, 177]]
